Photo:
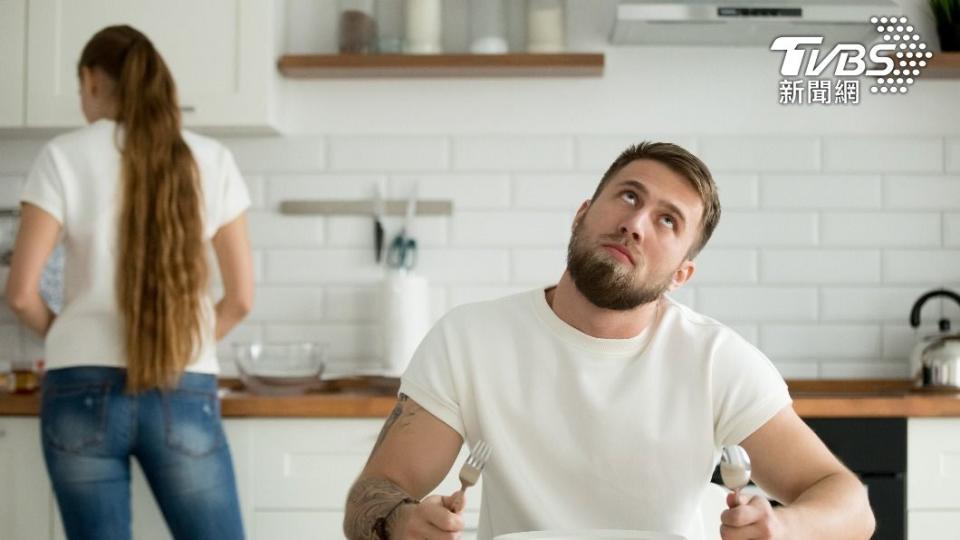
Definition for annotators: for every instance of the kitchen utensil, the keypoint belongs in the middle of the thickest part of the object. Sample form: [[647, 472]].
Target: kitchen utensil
[[734, 468], [378, 206], [470, 472], [935, 361], [280, 369], [589, 534], [403, 250]]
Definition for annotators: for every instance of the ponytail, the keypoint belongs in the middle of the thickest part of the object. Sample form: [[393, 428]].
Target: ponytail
[[161, 264]]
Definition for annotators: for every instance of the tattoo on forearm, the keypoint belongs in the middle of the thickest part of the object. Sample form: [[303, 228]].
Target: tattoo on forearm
[[369, 500]]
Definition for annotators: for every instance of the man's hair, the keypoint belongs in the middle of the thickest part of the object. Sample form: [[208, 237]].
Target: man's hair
[[686, 165]]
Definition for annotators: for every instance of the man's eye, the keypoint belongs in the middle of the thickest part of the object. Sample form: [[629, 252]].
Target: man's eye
[[668, 221], [629, 196]]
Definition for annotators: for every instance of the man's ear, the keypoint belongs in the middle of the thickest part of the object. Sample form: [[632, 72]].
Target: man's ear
[[682, 274], [582, 211]]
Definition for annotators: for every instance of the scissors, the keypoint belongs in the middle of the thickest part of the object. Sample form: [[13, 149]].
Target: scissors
[[403, 249]]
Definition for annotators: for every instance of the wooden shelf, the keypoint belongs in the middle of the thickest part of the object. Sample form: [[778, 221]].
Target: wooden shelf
[[441, 65], [943, 65]]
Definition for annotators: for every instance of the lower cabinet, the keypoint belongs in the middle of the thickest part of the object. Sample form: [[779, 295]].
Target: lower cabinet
[[303, 469], [25, 500], [293, 476], [933, 477]]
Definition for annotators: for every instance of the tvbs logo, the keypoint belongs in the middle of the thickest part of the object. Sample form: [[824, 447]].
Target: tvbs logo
[[850, 58]]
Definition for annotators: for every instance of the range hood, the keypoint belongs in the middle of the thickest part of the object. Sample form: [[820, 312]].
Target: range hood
[[746, 22]]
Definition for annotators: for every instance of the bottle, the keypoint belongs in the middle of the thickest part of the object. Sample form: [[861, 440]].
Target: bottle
[[545, 26], [357, 28], [422, 23], [487, 27]]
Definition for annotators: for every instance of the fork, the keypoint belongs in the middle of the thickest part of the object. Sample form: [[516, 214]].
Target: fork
[[470, 472]]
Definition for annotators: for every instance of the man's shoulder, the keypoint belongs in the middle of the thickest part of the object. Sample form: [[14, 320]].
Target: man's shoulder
[[492, 311], [680, 318]]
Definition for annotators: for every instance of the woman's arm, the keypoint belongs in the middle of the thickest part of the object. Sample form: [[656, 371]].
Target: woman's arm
[[232, 246], [35, 241]]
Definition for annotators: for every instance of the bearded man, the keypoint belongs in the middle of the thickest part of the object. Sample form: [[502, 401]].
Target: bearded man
[[605, 402]]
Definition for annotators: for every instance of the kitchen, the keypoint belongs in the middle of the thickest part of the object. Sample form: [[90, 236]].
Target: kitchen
[[836, 218]]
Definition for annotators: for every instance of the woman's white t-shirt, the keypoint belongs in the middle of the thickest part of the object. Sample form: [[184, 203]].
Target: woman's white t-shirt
[[590, 433], [76, 179]]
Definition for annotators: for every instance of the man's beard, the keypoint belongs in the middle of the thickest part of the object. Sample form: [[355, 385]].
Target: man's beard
[[604, 282]]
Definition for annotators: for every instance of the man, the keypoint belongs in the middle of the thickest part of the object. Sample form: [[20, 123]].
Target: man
[[605, 403]]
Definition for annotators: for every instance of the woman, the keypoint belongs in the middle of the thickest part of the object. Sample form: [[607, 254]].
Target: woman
[[131, 363]]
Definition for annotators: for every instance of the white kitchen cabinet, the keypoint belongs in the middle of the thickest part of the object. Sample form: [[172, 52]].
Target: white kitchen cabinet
[[933, 474], [304, 469], [13, 24], [25, 496], [293, 476], [221, 53]]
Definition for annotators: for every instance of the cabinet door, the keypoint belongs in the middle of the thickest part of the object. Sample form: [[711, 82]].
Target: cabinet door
[[219, 51], [303, 470], [930, 525], [933, 464], [25, 496], [13, 25]]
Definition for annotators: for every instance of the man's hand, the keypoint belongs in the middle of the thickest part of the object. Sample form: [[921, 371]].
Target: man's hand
[[432, 519], [750, 518]]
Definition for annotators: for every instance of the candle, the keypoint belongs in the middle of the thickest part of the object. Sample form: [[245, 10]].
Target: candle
[[545, 30], [422, 24]]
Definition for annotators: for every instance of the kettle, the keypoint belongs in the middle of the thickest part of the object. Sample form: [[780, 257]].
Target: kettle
[[935, 361]]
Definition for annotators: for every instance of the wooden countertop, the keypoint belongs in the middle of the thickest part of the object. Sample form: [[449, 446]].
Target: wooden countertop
[[375, 398]]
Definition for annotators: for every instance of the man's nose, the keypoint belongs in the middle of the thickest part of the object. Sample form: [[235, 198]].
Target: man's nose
[[634, 226]]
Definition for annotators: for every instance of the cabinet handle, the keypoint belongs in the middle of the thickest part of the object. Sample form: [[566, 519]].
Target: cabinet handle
[[3, 433], [188, 109]]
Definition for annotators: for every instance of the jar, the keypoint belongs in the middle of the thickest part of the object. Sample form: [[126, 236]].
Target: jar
[[389, 15], [357, 28], [422, 26], [487, 27], [545, 26]]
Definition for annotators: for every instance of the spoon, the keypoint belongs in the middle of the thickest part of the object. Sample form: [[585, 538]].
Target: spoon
[[735, 468]]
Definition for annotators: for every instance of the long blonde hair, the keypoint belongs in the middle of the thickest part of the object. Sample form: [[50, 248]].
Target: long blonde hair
[[161, 264]]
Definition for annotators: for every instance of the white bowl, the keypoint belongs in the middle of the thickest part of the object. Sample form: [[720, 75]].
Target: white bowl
[[589, 534]]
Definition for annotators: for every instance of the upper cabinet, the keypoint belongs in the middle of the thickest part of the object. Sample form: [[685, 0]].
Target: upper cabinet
[[221, 53], [13, 25]]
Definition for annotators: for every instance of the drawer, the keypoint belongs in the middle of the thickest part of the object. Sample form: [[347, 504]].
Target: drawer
[[309, 465], [933, 464], [327, 525], [932, 524]]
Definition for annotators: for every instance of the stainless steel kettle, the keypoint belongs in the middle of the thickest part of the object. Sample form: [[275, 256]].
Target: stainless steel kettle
[[935, 362]]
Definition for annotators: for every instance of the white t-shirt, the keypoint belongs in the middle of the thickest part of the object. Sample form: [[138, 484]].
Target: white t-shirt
[[588, 432], [76, 179]]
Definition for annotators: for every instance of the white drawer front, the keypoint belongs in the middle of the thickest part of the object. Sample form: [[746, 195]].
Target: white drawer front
[[310, 464], [932, 525], [327, 525], [933, 463]]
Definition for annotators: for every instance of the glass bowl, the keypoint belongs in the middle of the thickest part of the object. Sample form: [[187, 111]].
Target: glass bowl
[[280, 368]]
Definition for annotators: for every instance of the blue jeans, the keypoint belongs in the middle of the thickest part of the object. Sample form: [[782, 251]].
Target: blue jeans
[[90, 428]]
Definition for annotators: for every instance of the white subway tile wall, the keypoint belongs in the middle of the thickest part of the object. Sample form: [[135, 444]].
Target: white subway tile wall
[[823, 246]]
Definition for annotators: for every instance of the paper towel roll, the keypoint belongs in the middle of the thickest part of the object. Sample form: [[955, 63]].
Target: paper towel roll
[[405, 305]]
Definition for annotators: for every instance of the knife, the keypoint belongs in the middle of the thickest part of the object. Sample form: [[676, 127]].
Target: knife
[[378, 205]]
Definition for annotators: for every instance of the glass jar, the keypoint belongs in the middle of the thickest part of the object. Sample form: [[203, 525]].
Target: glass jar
[[357, 27], [487, 27], [545, 26], [422, 26], [389, 26]]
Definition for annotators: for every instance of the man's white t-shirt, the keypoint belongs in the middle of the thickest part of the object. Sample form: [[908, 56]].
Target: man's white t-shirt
[[76, 179], [588, 432]]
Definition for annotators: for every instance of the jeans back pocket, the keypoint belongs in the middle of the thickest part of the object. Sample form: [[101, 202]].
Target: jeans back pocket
[[192, 422], [74, 417]]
